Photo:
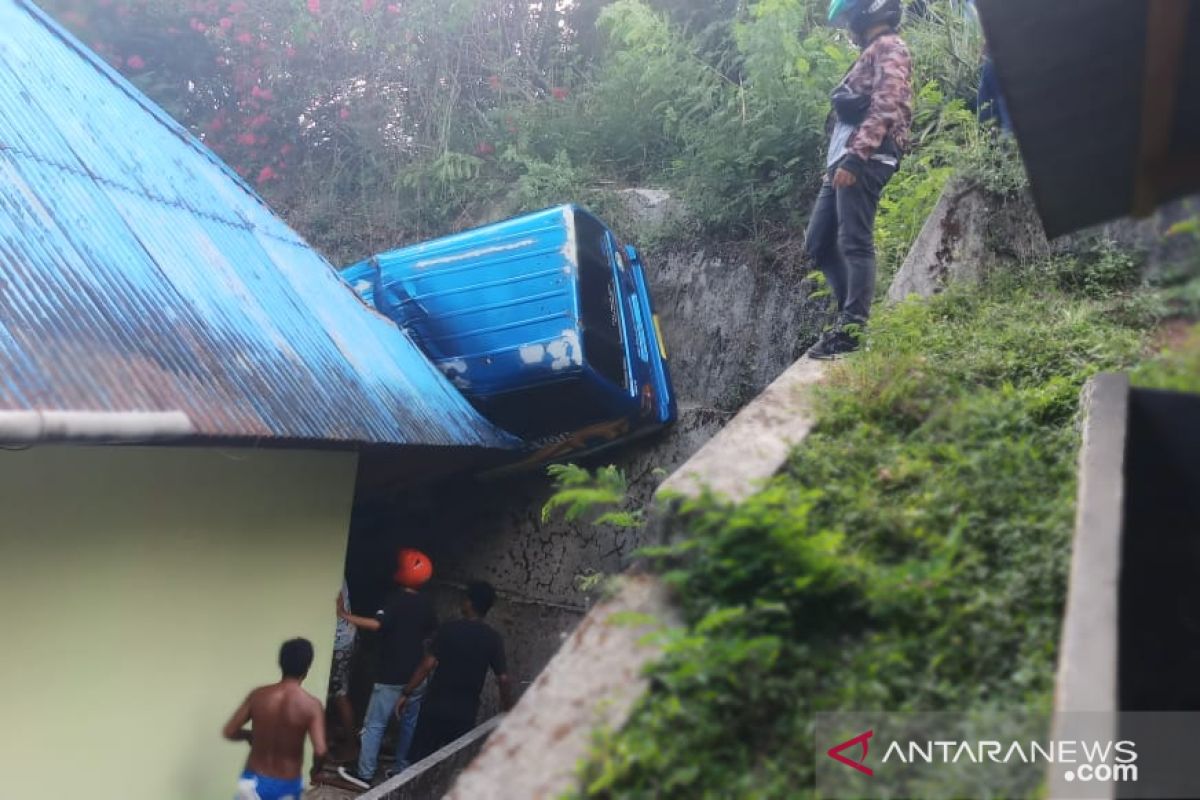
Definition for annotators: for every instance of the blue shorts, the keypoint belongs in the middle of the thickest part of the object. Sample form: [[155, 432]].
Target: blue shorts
[[258, 787]]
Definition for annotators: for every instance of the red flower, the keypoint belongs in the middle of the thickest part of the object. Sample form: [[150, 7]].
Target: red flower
[[226, 23], [259, 121], [485, 148], [344, 113], [246, 139], [393, 8], [369, 5], [262, 94], [245, 37], [135, 62], [559, 92], [266, 174], [236, 7], [314, 6], [494, 82]]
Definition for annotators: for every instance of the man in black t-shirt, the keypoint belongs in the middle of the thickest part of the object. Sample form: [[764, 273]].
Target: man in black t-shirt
[[404, 624], [463, 651]]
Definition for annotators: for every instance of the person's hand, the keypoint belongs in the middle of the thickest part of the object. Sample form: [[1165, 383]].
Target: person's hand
[[843, 178], [400, 705], [341, 606]]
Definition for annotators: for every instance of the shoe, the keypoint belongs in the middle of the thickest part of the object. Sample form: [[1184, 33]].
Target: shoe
[[352, 778], [833, 344]]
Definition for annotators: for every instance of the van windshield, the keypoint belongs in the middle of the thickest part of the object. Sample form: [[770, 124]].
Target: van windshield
[[599, 303]]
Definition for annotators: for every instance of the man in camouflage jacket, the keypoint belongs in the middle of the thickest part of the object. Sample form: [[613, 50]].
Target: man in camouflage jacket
[[871, 121]]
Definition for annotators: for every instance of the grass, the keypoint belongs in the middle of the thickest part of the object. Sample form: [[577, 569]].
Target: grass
[[912, 557]]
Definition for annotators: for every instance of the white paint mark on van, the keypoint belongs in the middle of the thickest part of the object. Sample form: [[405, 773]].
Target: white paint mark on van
[[456, 371], [532, 353], [473, 254], [565, 351], [570, 250]]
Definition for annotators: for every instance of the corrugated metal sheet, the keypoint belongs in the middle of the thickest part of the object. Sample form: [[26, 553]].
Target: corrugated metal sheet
[[140, 274]]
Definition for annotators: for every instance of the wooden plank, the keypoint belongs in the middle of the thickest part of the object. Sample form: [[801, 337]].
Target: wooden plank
[[1166, 39]]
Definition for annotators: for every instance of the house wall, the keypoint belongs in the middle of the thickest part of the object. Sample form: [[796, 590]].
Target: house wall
[[143, 592]]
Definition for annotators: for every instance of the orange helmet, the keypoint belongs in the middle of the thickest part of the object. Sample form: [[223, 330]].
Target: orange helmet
[[413, 568]]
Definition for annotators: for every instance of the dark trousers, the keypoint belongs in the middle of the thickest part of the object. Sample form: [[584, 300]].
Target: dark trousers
[[439, 726], [841, 240]]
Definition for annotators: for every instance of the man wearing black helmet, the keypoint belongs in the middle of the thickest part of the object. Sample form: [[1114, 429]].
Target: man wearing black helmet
[[872, 114]]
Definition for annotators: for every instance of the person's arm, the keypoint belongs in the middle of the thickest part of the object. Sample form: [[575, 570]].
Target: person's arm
[[365, 623], [500, 670], [891, 96], [504, 684], [427, 665], [316, 734], [235, 730]]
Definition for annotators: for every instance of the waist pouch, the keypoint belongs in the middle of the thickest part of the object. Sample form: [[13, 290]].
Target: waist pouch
[[850, 106]]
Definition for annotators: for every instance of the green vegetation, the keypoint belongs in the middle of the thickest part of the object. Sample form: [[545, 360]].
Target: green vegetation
[[370, 123], [913, 556]]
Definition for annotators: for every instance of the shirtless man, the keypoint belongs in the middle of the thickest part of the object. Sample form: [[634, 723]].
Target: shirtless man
[[280, 714]]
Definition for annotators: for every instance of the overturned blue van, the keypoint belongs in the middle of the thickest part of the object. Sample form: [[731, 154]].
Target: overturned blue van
[[544, 322]]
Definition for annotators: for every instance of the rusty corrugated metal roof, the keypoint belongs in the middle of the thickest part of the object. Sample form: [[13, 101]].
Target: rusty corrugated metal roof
[[138, 273]]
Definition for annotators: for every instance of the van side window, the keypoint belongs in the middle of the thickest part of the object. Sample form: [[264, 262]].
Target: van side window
[[599, 303]]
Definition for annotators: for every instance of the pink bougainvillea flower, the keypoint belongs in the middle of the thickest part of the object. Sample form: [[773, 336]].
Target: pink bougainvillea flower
[[314, 6], [226, 23], [258, 121], [246, 139], [369, 5], [245, 37], [393, 8], [289, 51], [261, 93], [344, 113], [236, 8], [285, 150], [485, 148], [135, 62], [266, 174], [559, 92]]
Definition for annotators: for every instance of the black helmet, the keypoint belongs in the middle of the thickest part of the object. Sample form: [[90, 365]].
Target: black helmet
[[862, 15]]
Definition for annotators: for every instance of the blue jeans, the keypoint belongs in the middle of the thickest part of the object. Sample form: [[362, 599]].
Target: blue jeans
[[379, 712]]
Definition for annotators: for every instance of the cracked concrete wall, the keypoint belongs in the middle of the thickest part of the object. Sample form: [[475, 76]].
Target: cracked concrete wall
[[972, 232]]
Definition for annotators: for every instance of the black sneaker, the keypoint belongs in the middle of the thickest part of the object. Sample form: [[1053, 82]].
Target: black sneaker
[[834, 344], [352, 778]]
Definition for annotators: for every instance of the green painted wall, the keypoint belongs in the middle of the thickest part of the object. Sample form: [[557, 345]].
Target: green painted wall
[[143, 592]]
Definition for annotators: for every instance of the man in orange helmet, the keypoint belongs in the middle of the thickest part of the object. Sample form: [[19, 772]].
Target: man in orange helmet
[[404, 624]]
